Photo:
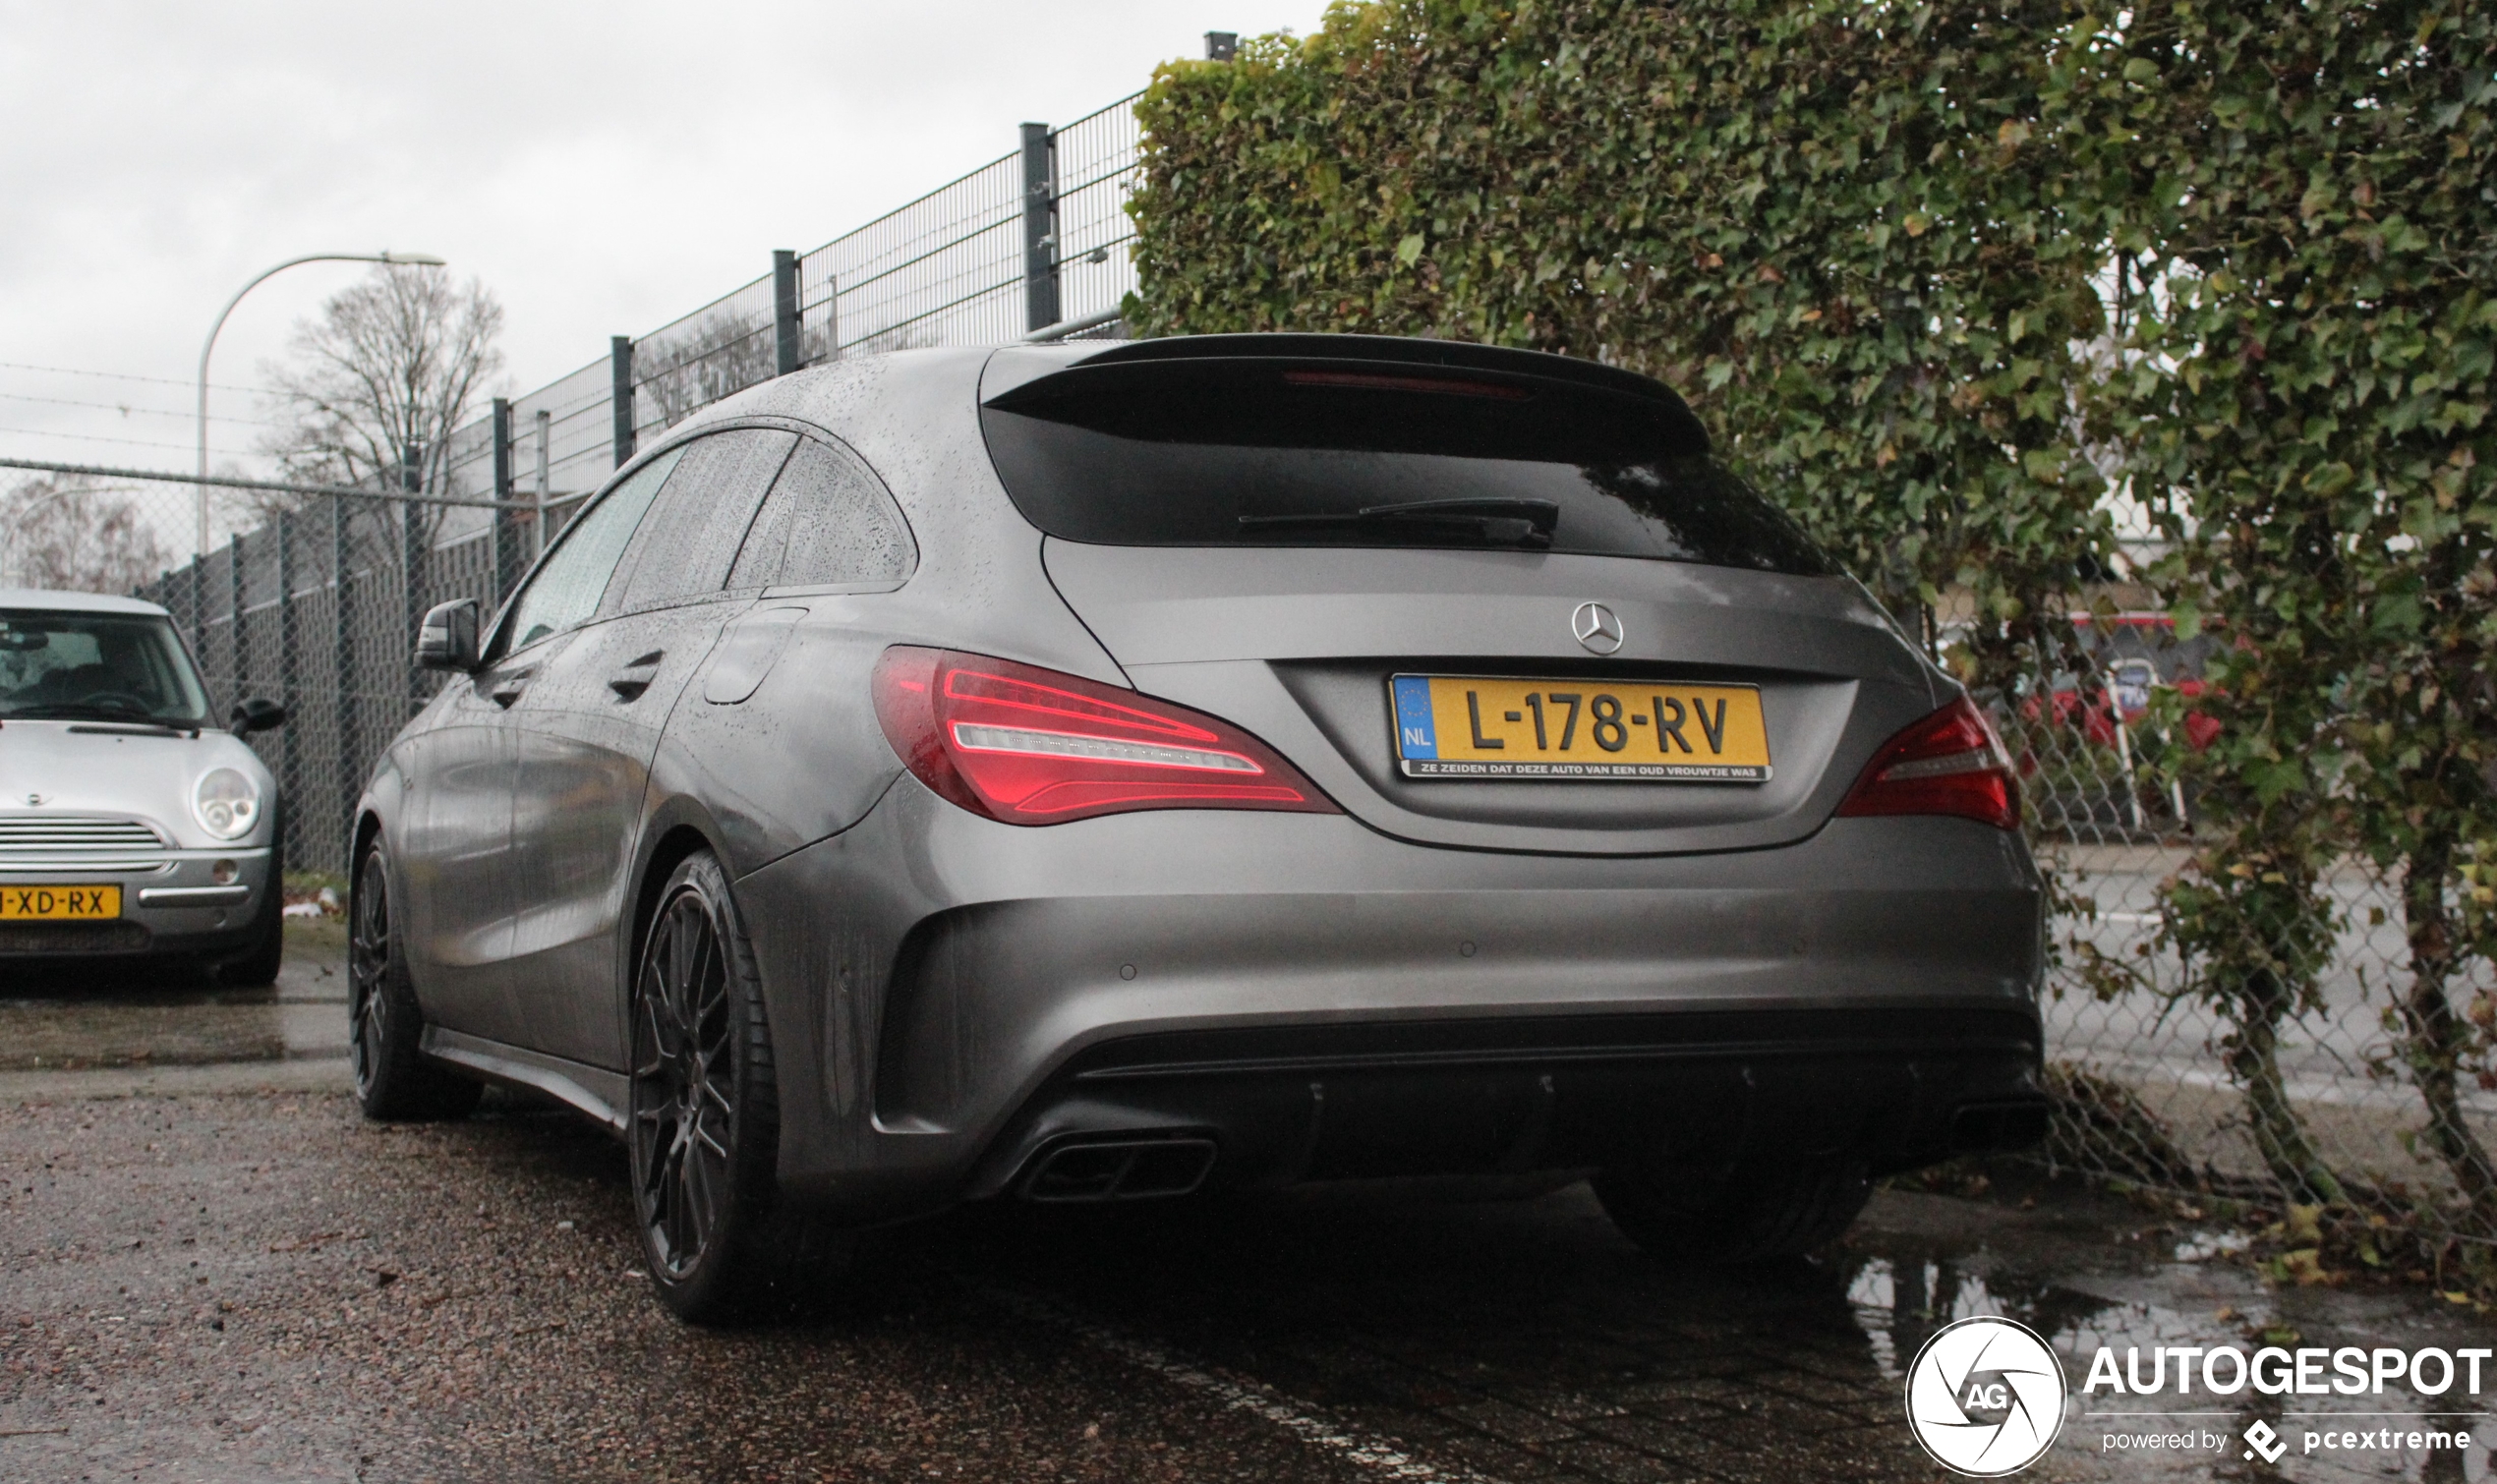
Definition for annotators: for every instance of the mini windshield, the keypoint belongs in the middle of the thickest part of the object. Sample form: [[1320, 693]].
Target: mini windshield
[[97, 667]]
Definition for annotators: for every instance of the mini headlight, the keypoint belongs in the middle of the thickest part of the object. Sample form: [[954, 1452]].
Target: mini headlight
[[227, 804]]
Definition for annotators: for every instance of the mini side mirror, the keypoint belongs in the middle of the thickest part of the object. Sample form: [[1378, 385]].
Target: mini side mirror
[[448, 639], [258, 715]]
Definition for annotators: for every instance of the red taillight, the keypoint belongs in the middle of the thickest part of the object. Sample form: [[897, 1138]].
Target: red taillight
[[1030, 746], [1950, 763]]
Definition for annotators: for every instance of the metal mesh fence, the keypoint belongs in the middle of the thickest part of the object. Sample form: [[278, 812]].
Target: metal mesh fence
[[314, 608], [1097, 165], [714, 352], [945, 269], [317, 608], [2171, 1075]]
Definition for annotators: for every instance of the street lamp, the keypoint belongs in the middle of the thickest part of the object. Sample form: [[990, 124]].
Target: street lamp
[[406, 260]]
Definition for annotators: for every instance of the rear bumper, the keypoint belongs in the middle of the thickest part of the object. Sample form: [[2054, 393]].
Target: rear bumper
[[171, 905], [1895, 1089], [951, 999]]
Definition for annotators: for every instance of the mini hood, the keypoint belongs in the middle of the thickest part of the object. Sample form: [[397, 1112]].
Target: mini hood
[[84, 768]]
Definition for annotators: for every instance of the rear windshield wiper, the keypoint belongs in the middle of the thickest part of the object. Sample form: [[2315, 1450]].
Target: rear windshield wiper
[[1514, 523]]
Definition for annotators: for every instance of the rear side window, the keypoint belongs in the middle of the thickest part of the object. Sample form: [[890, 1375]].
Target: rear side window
[[1227, 452], [685, 550], [827, 521]]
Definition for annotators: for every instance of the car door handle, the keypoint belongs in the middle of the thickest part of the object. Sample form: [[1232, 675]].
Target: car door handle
[[635, 678], [506, 689]]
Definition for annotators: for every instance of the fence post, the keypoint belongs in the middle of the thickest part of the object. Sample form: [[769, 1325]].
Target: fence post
[[1040, 228], [831, 317], [290, 757], [507, 546], [343, 662], [412, 564], [785, 353], [538, 524], [200, 607], [234, 615], [620, 361]]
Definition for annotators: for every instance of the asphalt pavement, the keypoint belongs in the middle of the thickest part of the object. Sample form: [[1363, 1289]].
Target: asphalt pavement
[[217, 1271]]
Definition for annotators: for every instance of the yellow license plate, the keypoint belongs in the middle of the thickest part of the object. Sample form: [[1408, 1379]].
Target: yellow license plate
[[58, 904], [1466, 727]]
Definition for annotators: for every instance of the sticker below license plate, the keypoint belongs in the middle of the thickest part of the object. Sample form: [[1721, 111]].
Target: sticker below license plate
[[1471, 727], [58, 904]]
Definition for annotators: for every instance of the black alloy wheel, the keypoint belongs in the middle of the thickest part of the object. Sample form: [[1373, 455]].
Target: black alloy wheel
[[704, 1123], [368, 969], [384, 1026], [683, 1075]]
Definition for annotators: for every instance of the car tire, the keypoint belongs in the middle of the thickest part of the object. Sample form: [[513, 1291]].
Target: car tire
[[1755, 1214], [702, 1123], [385, 1029], [257, 965]]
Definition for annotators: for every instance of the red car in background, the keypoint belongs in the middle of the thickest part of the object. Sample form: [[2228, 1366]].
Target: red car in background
[[2133, 654], [2079, 738]]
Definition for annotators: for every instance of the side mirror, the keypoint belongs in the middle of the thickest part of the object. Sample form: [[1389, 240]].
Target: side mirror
[[448, 639], [258, 715]]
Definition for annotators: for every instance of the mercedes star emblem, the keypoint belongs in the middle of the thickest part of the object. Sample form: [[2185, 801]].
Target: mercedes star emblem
[[1596, 628]]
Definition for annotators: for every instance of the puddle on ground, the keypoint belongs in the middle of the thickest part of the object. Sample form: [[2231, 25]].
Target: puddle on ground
[[66, 1017], [1525, 1339], [1903, 1289]]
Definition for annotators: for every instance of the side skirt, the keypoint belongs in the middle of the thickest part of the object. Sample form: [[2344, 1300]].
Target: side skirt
[[598, 1093]]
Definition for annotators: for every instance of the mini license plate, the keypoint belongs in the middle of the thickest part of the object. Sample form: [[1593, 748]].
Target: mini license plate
[[58, 904], [1469, 727]]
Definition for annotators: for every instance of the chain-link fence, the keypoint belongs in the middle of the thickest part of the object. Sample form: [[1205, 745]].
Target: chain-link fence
[[2305, 1084], [317, 607]]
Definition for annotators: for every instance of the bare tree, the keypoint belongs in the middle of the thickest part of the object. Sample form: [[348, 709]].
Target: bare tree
[[722, 354], [400, 359], [70, 532]]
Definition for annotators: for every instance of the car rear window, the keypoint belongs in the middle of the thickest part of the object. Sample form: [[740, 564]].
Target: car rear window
[[1331, 453]]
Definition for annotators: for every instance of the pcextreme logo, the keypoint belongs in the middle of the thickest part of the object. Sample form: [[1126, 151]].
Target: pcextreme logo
[[1985, 1396]]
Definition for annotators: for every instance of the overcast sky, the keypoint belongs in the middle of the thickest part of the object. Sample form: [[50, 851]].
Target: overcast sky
[[602, 167]]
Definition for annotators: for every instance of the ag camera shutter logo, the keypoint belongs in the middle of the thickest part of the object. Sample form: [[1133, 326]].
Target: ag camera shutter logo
[[1985, 1396]]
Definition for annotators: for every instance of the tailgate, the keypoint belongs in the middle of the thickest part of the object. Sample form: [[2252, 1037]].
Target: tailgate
[[1302, 647]]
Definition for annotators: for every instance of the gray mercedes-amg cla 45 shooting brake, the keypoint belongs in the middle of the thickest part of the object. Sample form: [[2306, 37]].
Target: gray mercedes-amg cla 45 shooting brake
[[1092, 772]]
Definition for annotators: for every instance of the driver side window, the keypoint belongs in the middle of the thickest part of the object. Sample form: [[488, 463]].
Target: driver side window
[[567, 587]]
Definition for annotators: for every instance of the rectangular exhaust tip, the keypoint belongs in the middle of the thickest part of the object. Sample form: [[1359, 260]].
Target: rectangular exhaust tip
[[1124, 1170]]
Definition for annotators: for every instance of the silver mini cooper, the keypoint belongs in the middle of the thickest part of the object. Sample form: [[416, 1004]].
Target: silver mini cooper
[[132, 825], [1097, 773]]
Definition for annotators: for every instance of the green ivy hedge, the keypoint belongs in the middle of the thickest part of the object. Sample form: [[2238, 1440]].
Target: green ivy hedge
[[1943, 277], [1824, 222], [2302, 200]]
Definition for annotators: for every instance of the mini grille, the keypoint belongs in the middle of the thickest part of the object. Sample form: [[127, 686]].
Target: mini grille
[[23, 833]]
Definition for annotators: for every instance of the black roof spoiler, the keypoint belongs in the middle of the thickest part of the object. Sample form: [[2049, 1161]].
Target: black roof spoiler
[[1392, 350], [1397, 349]]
